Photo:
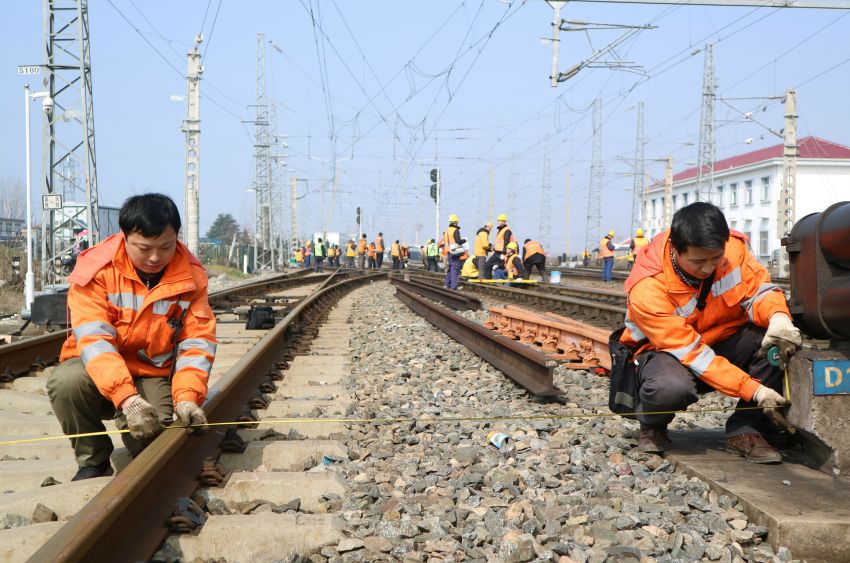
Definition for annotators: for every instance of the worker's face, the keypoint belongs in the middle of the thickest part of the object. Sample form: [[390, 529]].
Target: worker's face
[[699, 262], [151, 255], [502, 223]]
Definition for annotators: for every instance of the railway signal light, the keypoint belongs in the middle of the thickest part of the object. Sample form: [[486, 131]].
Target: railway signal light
[[819, 253], [435, 177], [358, 215]]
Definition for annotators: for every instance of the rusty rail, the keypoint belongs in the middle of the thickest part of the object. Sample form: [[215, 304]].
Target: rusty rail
[[529, 368], [448, 297], [126, 520]]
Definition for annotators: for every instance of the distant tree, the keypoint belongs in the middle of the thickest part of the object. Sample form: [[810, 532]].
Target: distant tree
[[13, 203], [223, 228]]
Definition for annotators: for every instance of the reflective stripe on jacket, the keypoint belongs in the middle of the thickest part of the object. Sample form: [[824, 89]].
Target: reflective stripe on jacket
[[432, 249], [531, 248], [121, 330], [604, 250], [662, 313], [482, 242]]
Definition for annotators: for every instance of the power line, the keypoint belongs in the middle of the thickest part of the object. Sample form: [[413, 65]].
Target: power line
[[212, 29], [136, 29]]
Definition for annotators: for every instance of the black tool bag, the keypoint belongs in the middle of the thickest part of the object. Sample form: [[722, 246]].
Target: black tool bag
[[623, 385], [260, 317]]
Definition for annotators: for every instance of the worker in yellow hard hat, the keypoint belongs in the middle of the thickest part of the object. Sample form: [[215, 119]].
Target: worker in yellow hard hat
[[482, 247], [512, 269], [503, 237], [606, 253], [638, 242], [457, 252]]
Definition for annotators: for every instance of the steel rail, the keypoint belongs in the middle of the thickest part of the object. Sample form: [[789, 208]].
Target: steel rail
[[528, 367], [450, 298], [225, 297], [125, 521]]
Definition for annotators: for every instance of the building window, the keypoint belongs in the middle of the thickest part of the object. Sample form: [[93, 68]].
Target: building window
[[763, 244], [654, 214], [748, 192], [719, 196], [733, 195], [765, 189], [685, 199], [733, 224], [675, 203]]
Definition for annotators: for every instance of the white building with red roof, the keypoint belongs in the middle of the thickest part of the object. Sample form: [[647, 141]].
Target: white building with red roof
[[746, 188]]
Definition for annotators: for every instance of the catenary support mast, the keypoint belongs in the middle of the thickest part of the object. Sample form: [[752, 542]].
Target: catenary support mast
[[68, 134], [192, 150]]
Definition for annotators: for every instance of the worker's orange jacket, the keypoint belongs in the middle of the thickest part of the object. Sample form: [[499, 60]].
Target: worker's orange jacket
[[361, 247], [121, 329], [662, 310], [531, 248], [371, 250], [395, 250], [379, 244]]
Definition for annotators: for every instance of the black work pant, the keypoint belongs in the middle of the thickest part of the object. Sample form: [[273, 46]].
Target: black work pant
[[536, 261], [493, 260], [396, 263], [432, 264], [667, 385], [379, 259]]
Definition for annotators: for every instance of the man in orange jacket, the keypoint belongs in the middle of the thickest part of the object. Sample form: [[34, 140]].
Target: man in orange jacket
[[143, 339], [702, 313]]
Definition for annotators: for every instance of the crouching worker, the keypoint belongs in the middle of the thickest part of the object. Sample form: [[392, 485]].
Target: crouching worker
[[702, 314], [143, 338], [512, 269]]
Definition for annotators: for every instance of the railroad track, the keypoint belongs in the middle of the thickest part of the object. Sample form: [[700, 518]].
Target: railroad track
[[242, 385]]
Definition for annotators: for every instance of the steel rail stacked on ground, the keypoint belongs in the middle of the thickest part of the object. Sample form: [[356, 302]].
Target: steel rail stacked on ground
[[528, 367], [126, 520]]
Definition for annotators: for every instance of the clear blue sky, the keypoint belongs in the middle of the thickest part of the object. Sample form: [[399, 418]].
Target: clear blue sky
[[388, 89]]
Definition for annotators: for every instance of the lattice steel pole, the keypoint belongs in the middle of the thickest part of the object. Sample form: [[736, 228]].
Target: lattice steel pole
[[705, 158], [594, 199], [264, 257], [68, 134]]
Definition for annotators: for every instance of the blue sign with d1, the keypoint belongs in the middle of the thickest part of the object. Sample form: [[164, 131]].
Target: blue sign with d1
[[831, 377]]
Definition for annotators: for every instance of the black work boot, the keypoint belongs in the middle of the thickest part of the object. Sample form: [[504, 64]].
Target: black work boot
[[652, 439], [754, 448], [102, 470]]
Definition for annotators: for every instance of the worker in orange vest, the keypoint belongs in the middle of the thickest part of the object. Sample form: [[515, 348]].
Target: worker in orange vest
[[606, 253], [395, 254], [362, 246], [512, 268], [379, 250], [533, 256], [457, 252], [637, 243], [703, 313], [503, 237], [370, 254]]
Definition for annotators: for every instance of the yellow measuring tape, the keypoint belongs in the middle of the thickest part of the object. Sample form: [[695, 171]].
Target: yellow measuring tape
[[382, 421], [499, 281]]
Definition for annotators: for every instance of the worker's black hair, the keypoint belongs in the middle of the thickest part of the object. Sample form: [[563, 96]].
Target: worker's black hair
[[699, 224], [148, 215], [527, 241]]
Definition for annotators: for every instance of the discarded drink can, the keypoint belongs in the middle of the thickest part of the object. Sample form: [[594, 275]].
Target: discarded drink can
[[501, 440]]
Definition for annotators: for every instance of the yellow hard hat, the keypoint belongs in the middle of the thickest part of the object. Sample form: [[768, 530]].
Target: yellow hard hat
[[453, 218], [639, 232], [610, 233], [502, 217], [513, 246]]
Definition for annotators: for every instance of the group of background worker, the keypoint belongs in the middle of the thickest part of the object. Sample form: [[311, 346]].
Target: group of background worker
[[606, 253], [500, 260]]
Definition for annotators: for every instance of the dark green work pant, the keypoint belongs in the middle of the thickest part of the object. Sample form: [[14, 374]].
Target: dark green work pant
[[81, 408]]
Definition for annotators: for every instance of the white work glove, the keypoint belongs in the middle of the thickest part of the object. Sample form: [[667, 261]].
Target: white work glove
[[190, 414], [142, 420], [772, 402], [781, 333]]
